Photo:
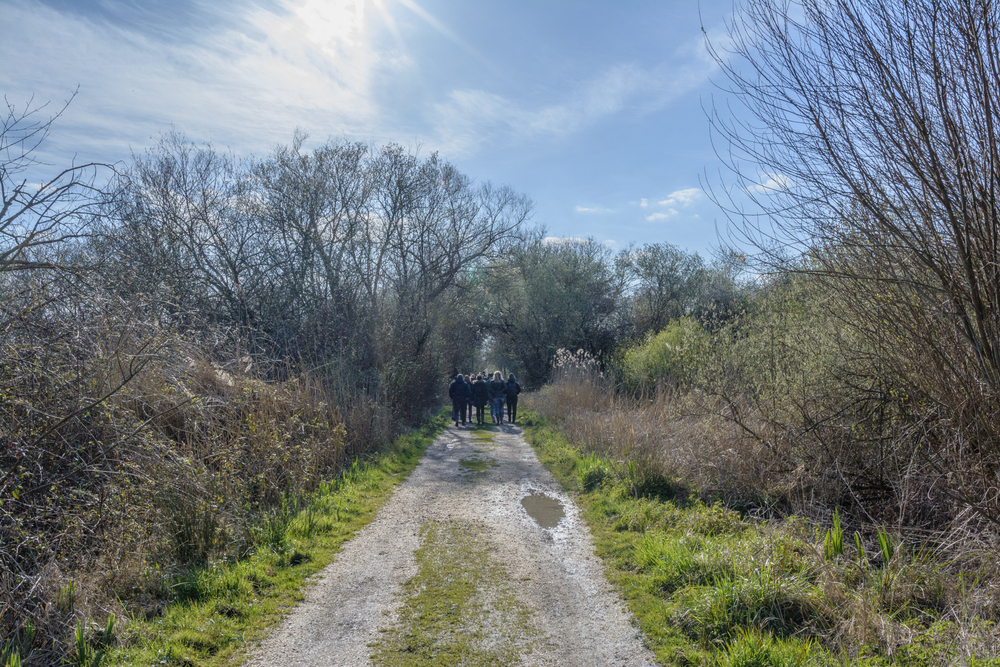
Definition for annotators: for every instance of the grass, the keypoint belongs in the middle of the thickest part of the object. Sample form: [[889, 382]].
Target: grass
[[709, 586], [459, 609], [220, 611]]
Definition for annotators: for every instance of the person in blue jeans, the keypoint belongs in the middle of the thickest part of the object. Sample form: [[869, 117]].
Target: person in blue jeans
[[498, 391]]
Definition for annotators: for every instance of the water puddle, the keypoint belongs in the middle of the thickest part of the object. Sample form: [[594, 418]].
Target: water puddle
[[546, 511]]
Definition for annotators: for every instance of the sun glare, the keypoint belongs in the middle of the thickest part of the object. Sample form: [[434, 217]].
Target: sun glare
[[332, 26]]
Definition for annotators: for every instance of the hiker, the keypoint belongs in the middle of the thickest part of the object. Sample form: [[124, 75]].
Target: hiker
[[480, 397], [498, 391], [459, 393], [469, 380], [513, 389]]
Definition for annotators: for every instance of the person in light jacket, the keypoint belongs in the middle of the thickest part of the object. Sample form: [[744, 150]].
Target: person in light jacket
[[498, 392]]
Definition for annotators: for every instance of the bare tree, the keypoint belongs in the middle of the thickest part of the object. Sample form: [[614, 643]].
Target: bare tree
[[867, 147], [35, 216]]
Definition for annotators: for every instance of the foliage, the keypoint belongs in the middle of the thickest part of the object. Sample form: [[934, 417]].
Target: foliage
[[670, 358], [548, 294]]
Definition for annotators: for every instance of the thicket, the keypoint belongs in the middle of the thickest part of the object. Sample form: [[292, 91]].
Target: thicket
[[192, 342]]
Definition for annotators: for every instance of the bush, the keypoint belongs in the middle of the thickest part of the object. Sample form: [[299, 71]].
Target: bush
[[666, 360]]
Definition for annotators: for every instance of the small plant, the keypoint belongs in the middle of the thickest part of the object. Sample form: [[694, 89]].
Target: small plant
[[10, 656], [67, 599], [886, 546], [833, 544], [591, 472]]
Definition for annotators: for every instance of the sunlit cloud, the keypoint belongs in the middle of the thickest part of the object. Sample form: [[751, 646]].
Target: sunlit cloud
[[309, 64]]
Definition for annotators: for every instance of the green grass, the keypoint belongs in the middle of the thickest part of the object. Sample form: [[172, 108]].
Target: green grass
[[218, 612], [710, 587], [705, 586], [459, 609]]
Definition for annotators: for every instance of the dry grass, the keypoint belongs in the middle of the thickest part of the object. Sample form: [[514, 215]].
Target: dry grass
[[131, 454], [668, 439], [929, 597]]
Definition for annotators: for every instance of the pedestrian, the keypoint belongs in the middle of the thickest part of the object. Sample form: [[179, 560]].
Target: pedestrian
[[458, 392], [469, 380], [480, 397], [513, 389], [498, 391]]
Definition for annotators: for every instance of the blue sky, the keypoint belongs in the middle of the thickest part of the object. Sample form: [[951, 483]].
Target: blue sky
[[592, 109]]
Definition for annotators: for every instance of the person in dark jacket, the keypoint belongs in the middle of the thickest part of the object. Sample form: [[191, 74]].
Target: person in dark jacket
[[498, 391], [480, 397], [513, 389], [459, 393], [469, 380]]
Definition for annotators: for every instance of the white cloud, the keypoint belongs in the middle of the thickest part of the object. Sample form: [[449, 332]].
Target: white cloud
[[662, 215], [684, 197], [644, 203], [251, 81], [564, 240], [592, 209], [771, 183]]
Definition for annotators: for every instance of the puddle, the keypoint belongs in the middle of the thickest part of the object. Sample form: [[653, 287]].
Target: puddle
[[545, 510]]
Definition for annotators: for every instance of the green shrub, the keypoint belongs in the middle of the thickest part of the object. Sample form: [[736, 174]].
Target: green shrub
[[667, 359]]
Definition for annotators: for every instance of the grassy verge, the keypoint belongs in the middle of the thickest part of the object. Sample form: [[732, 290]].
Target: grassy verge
[[708, 586], [221, 610]]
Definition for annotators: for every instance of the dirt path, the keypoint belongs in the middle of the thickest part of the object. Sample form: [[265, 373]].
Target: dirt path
[[453, 564]]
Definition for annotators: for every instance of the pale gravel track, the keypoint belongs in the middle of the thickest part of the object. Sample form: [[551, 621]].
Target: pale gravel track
[[554, 572]]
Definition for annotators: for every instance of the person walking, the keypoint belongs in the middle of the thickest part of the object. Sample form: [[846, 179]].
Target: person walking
[[480, 397], [469, 380], [513, 389], [458, 392], [498, 391]]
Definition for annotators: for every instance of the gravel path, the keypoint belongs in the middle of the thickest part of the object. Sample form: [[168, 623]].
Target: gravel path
[[579, 617]]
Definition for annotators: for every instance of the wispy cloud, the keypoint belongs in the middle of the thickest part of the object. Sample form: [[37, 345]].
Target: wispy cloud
[[470, 118], [661, 215], [592, 209], [668, 206], [684, 197], [310, 63], [771, 183]]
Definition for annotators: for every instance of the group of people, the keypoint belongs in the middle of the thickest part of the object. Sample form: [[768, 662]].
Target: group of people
[[484, 390]]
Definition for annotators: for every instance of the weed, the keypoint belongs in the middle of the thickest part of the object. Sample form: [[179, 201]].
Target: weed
[[833, 543]]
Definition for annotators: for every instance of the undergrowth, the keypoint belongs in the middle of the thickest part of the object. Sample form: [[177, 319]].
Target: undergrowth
[[710, 585], [218, 611]]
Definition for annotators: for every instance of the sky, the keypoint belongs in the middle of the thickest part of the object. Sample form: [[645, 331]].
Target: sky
[[593, 109]]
